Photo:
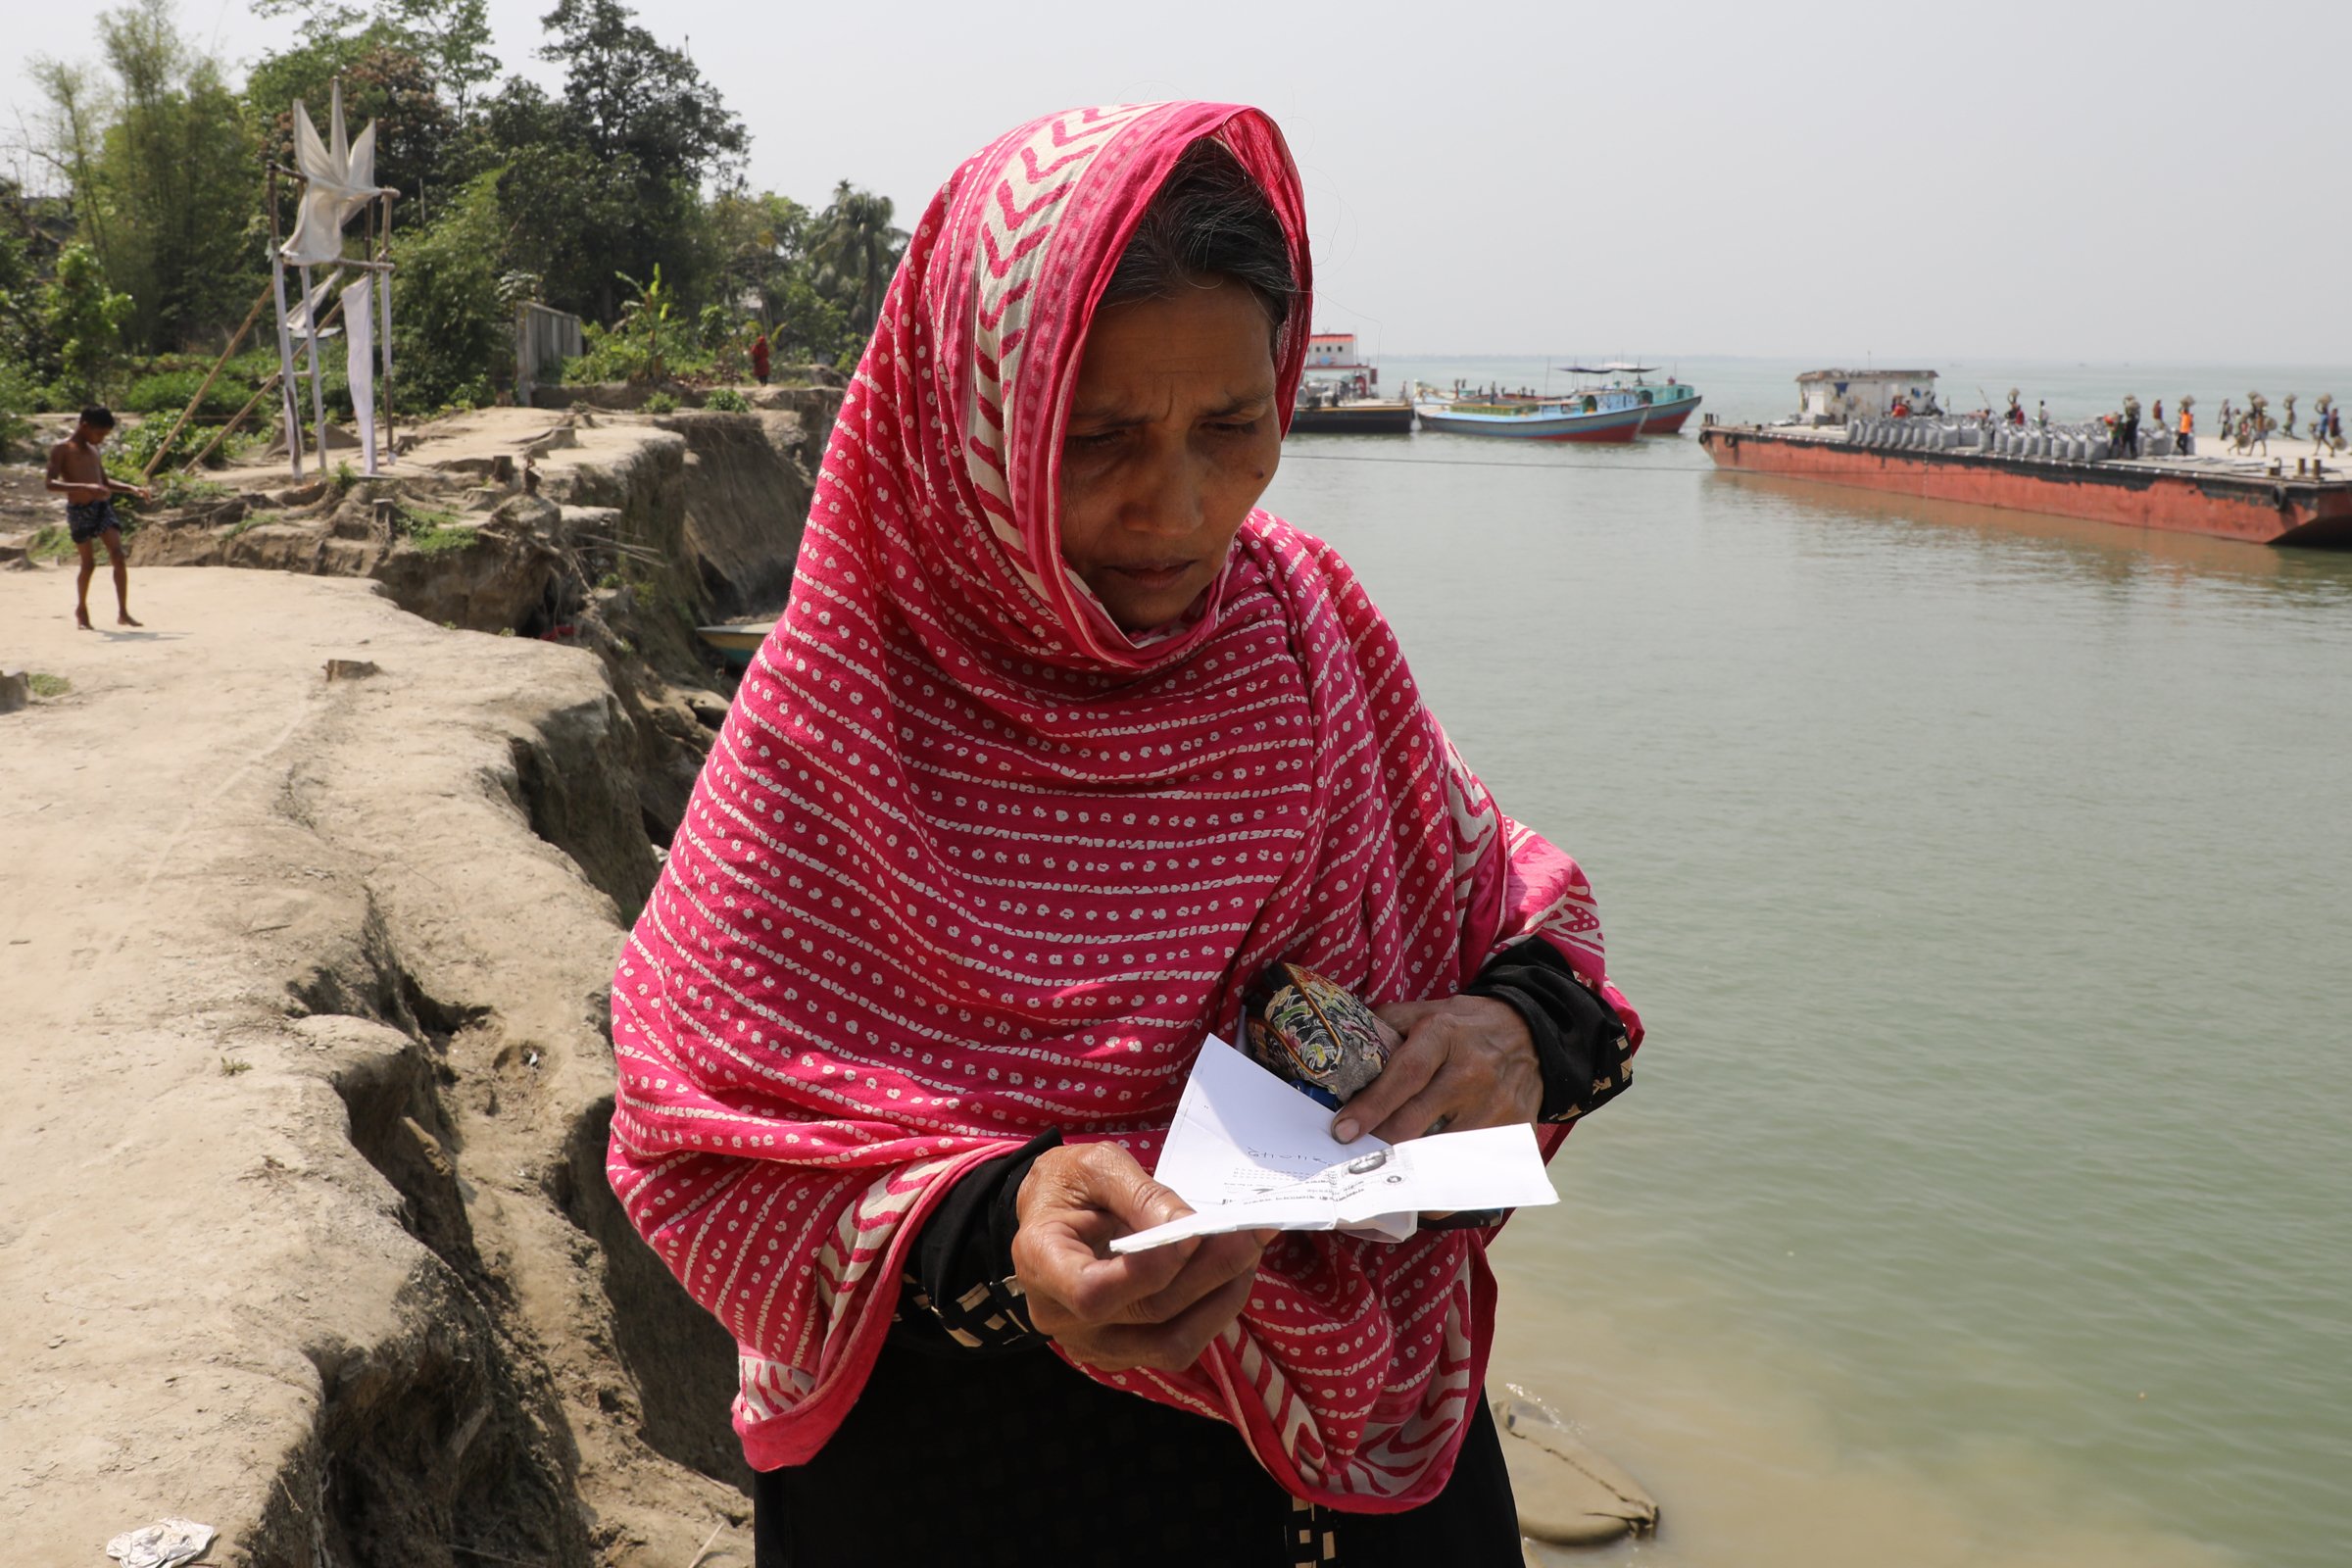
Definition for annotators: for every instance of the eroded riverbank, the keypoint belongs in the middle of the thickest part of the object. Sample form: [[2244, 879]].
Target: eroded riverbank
[[307, 1230]]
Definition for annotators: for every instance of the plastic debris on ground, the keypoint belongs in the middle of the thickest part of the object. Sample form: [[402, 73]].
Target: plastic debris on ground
[[165, 1543]]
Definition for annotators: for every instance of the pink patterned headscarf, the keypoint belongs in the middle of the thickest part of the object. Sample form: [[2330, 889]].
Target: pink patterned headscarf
[[967, 862]]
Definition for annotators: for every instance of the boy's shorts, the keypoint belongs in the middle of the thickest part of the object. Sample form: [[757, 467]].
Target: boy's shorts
[[85, 520]]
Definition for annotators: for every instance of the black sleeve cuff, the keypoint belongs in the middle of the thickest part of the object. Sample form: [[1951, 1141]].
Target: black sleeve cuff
[[1580, 1044], [960, 1273]]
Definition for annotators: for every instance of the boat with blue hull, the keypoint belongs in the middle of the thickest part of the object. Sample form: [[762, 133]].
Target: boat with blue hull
[[1671, 402], [1601, 415]]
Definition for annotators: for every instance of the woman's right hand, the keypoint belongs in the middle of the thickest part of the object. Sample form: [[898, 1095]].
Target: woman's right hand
[[1159, 1308]]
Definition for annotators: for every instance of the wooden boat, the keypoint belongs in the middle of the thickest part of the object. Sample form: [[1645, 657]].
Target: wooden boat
[[1671, 402], [1601, 415], [736, 643]]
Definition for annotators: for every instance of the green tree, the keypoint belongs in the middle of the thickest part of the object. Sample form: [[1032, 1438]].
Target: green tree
[[808, 327], [19, 296], [384, 80], [70, 136], [854, 251], [569, 224], [84, 319], [449, 317], [761, 242], [453, 38], [606, 180], [644, 318], [628, 96], [164, 177]]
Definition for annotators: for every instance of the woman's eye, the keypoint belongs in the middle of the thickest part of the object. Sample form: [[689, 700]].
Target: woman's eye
[[1095, 442], [1230, 427]]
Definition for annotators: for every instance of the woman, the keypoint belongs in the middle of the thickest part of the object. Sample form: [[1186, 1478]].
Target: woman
[[1059, 743]]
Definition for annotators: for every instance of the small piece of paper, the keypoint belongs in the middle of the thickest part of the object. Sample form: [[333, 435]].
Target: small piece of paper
[[1250, 1153]]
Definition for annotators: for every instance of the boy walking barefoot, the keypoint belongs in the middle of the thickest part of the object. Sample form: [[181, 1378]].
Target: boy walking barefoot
[[76, 473]]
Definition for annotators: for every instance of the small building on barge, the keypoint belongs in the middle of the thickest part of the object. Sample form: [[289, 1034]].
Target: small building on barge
[[1833, 397]]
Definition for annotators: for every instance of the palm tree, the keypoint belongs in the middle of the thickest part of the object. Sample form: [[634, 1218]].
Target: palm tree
[[855, 250]]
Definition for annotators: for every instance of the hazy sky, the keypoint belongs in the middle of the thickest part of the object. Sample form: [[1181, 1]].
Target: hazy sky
[[2145, 180]]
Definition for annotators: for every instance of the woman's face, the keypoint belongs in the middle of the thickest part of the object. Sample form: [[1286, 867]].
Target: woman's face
[[1171, 440]]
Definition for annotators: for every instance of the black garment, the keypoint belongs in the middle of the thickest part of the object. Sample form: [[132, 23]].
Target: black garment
[[1003, 1446], [972, 1461], [1580, 1043]]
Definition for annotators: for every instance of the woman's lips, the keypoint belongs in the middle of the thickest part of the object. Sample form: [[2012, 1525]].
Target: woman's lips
[[1165, 576]]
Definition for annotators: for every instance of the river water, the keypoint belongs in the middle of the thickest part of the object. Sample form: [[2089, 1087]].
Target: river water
[[1985, 883]]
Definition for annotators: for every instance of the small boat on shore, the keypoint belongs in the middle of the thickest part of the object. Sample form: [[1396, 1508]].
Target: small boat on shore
[[1601, 415], [1671, 402], [736, 643]]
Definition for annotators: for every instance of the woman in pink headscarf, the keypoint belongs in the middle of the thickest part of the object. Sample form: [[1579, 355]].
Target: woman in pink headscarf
[[1059, 743]]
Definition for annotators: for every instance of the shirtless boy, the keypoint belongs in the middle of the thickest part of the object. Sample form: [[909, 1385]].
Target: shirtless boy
[[76, 473]]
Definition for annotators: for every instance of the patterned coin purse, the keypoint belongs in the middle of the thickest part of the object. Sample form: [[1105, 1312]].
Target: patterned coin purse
[[1299, 1026]]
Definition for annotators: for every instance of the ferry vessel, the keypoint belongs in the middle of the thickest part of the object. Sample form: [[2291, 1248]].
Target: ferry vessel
[[1845, 437]]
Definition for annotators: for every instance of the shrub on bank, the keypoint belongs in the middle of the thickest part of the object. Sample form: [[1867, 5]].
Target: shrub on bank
[[165, 393], [19, 398]]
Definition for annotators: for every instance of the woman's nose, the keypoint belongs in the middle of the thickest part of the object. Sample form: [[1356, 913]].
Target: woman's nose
[[1167, 499]]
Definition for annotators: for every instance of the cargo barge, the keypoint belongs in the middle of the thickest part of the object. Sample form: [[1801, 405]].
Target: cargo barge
[[1338, 394], [1994, 463]]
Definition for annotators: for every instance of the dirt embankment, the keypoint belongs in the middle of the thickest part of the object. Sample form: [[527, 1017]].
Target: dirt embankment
[[303, 1229], [615, 531]]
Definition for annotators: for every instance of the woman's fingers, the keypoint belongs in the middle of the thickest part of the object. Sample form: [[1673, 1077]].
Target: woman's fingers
[[1412, 1067], [1096, 1293], [1168, 1347], [1076, 1201], [1466, 1062], [1220, 1260], [1067, 1281]]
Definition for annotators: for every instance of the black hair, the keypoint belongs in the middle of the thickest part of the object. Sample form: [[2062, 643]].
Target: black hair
[[1209, 220], [99, 416]]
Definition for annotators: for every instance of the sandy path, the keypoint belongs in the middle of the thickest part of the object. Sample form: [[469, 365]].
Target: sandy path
[[206, 850]]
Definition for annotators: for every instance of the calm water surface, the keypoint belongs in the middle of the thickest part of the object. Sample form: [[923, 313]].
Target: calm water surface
[[1985, 883]]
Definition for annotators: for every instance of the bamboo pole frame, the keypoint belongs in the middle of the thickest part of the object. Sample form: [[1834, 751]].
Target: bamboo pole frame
[[222, 434], [384, 321], [276, 379], [288, 391], [309, 313], [155, 460]]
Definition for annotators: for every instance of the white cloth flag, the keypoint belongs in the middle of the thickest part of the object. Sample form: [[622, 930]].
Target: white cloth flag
[[338, 178], [358, 323], [313, 304], [1250, 1153]]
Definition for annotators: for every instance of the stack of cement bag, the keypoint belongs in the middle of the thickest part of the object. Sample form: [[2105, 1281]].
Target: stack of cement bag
[[2089, 441]]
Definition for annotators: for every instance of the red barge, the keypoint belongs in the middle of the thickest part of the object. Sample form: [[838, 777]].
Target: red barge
[[2262, 501]]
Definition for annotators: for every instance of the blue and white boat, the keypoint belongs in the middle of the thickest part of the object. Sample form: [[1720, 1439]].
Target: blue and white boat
[[1670, 400], [1600, 414]]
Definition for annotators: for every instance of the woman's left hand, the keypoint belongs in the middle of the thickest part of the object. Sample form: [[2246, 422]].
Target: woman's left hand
[[1467, 1062]]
